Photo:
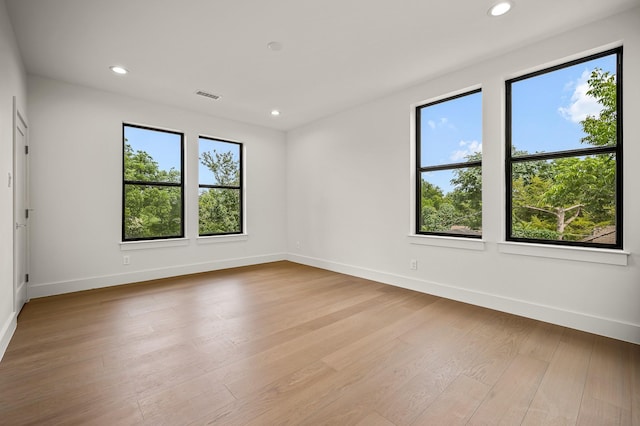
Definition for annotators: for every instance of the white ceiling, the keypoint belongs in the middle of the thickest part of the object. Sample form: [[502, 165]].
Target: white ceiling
[[337, 53]]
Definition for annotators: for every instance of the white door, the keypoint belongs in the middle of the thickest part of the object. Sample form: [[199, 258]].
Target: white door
[[21, 209]]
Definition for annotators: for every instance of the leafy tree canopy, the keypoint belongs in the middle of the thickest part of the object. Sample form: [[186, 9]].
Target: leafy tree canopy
[[565, 198]]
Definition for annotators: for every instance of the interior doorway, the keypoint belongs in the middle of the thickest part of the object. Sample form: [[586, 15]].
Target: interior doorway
[[20, 208]]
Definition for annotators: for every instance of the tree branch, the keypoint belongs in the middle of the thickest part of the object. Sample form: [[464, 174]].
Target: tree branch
[[542, 210], [573, 207], [575, 215]]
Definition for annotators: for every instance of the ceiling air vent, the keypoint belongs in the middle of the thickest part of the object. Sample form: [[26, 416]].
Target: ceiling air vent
[[208, 95]]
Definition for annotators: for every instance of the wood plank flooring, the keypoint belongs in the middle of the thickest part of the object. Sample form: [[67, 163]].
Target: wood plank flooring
[[286, 344]]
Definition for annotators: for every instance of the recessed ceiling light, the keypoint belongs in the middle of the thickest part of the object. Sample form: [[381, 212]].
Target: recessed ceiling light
[[118, 69], [274, 46], [500, 8], [275, 113]]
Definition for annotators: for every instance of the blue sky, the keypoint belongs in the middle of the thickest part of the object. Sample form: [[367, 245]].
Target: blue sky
[[547, 109], [163, 147], [449, 132], [546, 116]]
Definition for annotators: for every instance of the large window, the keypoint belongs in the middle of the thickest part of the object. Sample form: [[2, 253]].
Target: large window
[[220, 187], [449, 166], [152, 206], [564, 154]]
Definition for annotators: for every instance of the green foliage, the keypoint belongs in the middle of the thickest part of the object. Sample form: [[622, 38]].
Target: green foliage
[[466, 197], [601, 130], [219, 208], [459, 211], [590, 181], [140, 166], [568, 198], [527, 170], [224, 168], [532, 231], [219, 211], [560, 199], [440, 219], [150, 211], [431, 195], [527, 193]]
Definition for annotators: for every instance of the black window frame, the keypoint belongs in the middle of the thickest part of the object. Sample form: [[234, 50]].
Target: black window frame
[[239, 187], [154, 184], [439, 167], [616, 150]]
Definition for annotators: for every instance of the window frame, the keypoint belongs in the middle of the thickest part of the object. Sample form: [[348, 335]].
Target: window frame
[[439, 167], [153, 184], [239, 187], [571, 153]]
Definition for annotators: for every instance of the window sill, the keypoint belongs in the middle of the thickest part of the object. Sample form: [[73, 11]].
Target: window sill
[[450, 242], [153, 244], [218, 239], [580, 254]]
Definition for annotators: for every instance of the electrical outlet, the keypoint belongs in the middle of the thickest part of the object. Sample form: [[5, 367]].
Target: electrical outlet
[[413, 264], [126, 260], [298, 245]]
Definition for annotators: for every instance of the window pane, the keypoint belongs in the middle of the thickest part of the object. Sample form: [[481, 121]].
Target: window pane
[[451, 131], [561, 110], [219, 211], [566, 199], [152, 155], [152, 211], [451, 201], [219, 162]]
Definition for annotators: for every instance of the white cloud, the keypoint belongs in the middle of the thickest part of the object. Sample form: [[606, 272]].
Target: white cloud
[[442, 122], [582, 105], [467, 148]]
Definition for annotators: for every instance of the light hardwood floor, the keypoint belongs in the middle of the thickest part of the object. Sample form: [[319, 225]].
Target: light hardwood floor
[[282, 343]]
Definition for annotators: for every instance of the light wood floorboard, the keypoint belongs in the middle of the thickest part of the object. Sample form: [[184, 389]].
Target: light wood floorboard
[[286, 344]]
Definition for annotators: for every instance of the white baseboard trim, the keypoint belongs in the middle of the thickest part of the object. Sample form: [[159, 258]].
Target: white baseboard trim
[[21, 296], [577, 320], [62, 287], [6, 333]]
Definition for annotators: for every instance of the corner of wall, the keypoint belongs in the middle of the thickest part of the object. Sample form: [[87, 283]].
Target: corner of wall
[[6, 333]]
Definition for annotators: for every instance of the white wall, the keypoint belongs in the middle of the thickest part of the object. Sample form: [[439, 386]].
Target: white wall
[[350, 183], [76, 180], [12, 83]]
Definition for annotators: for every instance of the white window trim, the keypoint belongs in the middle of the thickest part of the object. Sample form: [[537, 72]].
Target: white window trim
[[447, 241], [610, 256], [219, 239], [429, 239], [580, 254], [153, 244]]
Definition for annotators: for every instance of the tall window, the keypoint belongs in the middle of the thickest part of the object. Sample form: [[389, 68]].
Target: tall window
[[153, 194], [564, 154], [220, 185], [449, 166]]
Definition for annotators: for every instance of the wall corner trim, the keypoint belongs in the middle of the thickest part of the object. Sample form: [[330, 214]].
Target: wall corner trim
[[6, 333]]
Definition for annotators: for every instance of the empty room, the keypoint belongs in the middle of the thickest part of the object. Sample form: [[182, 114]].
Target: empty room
[[302, 212]]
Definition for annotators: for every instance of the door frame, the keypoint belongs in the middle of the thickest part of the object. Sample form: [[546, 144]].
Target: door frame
[[20, 284]]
